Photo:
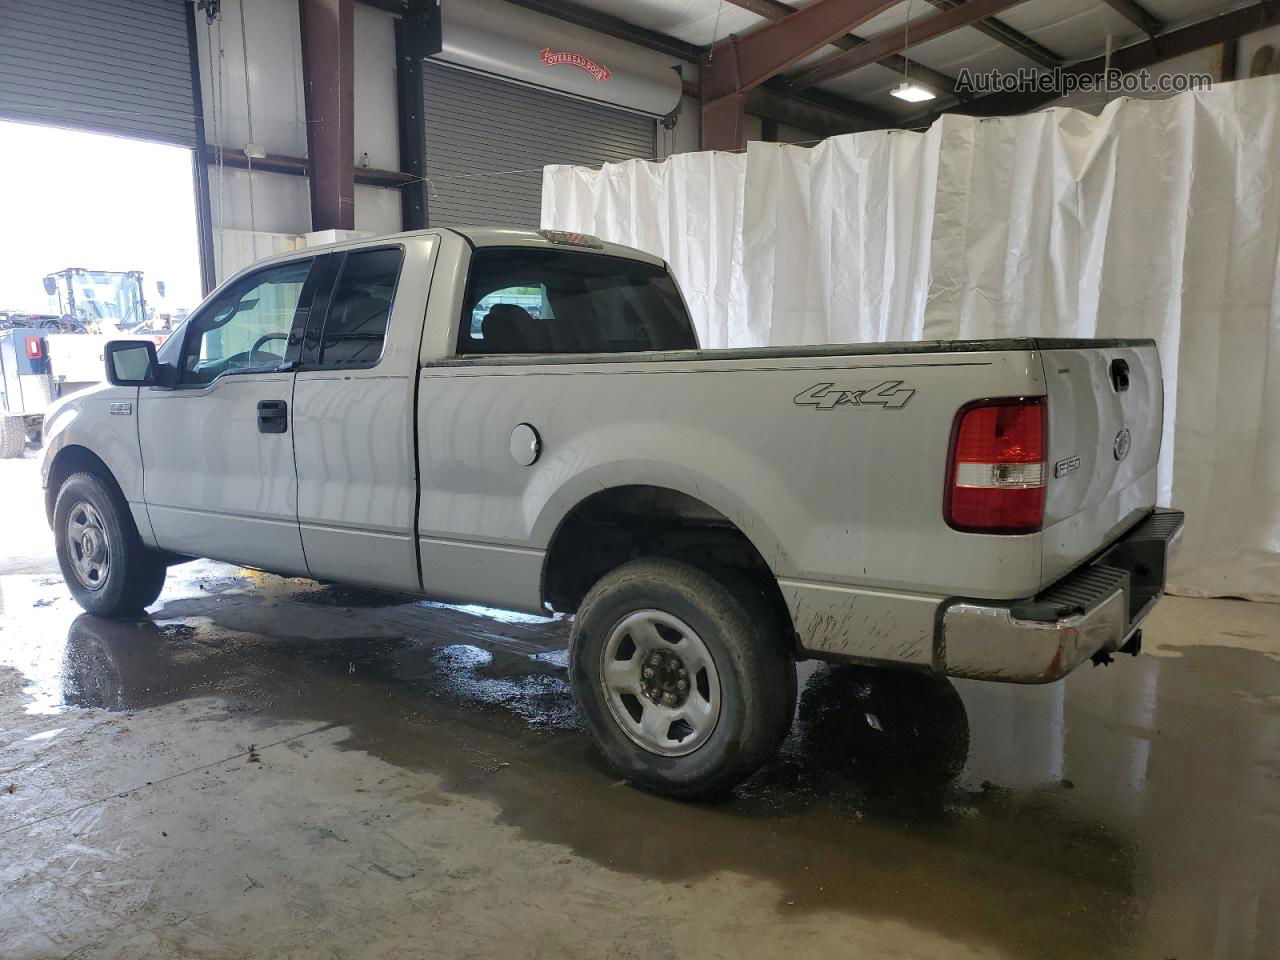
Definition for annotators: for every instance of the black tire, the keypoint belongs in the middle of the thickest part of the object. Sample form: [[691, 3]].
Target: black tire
[[130, 576], [13, 436], [755, 675]]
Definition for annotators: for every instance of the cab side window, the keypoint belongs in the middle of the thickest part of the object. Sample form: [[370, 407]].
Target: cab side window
[[246, 329], [355, 325]]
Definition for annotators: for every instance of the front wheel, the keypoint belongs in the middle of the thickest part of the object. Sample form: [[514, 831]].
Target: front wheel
[[107, 567], [682, 680]]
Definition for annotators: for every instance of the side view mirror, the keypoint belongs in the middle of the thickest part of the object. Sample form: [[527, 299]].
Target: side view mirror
[[131, 363], [50, 286], [160, 287]]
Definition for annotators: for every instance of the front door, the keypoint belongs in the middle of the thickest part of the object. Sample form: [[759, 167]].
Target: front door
[[217, 449]]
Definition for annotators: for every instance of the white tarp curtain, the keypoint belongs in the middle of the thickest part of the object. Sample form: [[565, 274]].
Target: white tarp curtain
[[1154, 219]]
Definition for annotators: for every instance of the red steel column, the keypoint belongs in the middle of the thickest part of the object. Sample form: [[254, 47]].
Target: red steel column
[[722, 123], [328, 72]]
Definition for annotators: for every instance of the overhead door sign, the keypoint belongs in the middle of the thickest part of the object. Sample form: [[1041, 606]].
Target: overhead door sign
[[597, 70]]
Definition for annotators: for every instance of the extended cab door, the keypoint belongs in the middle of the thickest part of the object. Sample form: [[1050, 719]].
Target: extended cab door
[[353, 415], [217, 450]]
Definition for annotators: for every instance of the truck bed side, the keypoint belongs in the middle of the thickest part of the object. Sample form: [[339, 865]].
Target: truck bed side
[[833, 465]]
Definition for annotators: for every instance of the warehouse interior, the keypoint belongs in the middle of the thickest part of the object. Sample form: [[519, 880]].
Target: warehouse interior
[[269, 765]]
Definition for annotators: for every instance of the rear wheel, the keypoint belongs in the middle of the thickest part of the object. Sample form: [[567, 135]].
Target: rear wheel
[[13, 436], [107, 567], [682, 680]]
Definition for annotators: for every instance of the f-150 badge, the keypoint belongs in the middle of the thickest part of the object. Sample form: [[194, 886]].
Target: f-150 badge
[[824, 396]]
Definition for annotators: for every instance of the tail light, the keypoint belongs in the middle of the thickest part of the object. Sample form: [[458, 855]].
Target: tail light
[[35, 348], [997, 466]]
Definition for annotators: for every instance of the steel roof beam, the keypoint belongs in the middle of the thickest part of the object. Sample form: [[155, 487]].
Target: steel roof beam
[[736, 66], [775, 10], [1136, 14], [1224, 28], [739, 64], [898, 40], [1001, 32]]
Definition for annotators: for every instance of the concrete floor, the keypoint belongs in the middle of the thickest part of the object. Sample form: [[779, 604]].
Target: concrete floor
[[273, 768]]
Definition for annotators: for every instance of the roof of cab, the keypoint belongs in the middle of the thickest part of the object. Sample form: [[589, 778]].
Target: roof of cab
[[476, 236]]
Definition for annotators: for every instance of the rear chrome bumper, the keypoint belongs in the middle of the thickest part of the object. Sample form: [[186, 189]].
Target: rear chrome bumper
[[1099, 608]]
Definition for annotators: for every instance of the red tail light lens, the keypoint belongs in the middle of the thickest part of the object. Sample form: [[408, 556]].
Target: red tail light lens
[[35, 348], [997, 467]]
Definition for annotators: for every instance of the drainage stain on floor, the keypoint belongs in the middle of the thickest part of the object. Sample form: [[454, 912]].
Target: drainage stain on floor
[[1126, 812]]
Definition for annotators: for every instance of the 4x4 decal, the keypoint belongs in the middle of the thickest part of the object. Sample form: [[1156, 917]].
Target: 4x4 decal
[[891, 394]]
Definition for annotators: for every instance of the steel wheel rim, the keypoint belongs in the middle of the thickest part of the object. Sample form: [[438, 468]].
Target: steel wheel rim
[[88, 547], [652, 709]]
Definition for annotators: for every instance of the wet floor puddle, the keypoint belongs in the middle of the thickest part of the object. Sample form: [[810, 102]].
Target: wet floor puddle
[[1059, 821]]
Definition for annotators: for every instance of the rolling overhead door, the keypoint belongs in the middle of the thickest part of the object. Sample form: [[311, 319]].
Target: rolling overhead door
[[487, 141], [112, 66]]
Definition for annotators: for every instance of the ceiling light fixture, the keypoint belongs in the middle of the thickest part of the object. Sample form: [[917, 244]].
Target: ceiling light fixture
[[912, 92], [908, 89]]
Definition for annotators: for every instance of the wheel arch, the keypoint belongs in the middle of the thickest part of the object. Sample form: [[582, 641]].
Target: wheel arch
[[71, 459], [614, 524]]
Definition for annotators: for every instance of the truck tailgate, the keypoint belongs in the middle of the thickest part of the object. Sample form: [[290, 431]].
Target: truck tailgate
[[1105, 421]]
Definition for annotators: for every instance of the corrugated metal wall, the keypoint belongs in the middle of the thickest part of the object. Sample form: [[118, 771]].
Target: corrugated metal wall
[[479, 128], [114, 66]]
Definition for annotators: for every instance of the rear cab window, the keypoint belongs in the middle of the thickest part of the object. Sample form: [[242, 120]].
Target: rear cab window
[[523, 300]]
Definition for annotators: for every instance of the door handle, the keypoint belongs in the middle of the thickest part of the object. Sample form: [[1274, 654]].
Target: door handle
[[273, 416]]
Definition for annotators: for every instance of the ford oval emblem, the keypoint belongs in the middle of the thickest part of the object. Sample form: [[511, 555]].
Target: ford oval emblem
[[1122, 444]]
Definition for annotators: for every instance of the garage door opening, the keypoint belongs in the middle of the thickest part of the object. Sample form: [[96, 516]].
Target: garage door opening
[[99, 232]]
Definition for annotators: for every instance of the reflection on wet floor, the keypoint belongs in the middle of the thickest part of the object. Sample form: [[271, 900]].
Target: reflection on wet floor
[[1126, 812]]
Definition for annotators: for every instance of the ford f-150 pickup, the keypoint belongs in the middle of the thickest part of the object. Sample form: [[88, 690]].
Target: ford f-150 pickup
[[525, 420]]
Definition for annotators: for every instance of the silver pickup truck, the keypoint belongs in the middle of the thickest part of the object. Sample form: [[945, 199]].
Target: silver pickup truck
[[524, 420]]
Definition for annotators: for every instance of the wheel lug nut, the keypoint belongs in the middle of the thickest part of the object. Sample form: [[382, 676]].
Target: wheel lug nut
[[647, 673], [682, 685]]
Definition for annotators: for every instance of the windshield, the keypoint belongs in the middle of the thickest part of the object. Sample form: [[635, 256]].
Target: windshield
[[106, 298]]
